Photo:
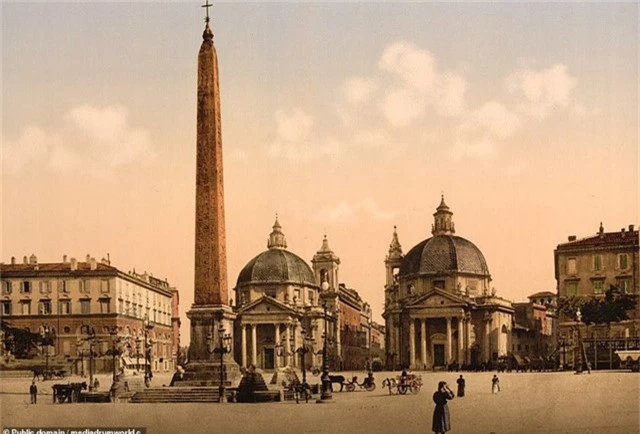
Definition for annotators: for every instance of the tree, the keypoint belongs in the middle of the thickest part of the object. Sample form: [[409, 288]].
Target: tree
[[614, 307]]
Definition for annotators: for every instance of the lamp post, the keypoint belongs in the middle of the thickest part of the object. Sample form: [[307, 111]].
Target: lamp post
[[91, 338], [223, 348], [45, 341], [325, 394], [115, 350], [148, 343], [138, 342], [306, 347], [579, 363]]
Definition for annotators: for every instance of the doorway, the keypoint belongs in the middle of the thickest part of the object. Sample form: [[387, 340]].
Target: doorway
[[438, 355], [269, 358]]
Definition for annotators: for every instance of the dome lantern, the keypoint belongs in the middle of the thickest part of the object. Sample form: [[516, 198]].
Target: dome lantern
[[443, 222], [277, 239]]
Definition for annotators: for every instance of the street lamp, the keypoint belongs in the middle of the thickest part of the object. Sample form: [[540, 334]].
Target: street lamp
[[148, 343], [223, 348], [306, 347], [45, 340], [91, 338], [325, 394]]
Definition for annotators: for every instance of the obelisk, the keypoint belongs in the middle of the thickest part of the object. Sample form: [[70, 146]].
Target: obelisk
[[210, 311]]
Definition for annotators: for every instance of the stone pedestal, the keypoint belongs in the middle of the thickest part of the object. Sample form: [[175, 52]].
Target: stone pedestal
[[203, 367]]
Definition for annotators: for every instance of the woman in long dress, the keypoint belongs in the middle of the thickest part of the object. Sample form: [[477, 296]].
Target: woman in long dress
[[441, 420]]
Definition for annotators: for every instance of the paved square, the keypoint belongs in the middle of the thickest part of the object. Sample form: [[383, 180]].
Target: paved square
[[561, 402]]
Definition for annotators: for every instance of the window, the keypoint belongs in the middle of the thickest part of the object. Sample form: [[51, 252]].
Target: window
[[270, 293], [438, 284], [6, 308], [44, 307], [120, 306], [63, 286], [45, 287], [598, 286], [572, 288], [26, 307], [85, 286], [624, 284], [7, 287], [105, 285], [311, 297], [25, 287], [64, 307], [105, 305], [571, 266], [623, 261], [597, 263], [85, 306], [296, 296]]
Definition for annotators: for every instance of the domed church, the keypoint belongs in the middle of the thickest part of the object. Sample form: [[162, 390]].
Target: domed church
[[439, 308]]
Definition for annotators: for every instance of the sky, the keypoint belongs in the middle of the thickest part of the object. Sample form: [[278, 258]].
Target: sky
[[345, 119]]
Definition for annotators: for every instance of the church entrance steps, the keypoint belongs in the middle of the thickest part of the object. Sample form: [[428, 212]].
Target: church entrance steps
[[178, 394]]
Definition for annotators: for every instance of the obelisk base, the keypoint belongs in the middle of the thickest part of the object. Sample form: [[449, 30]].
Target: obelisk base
[[203, 367]]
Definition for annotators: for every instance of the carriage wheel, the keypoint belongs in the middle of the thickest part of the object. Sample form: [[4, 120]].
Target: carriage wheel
[[402, 389], [370, 387], [415, 388], [351, 387]]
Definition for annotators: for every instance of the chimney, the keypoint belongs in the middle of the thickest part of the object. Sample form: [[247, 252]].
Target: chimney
[[64, 259], [88, 258], [13, 260], [572, 237], [94, 264], [25, 261], [33, 259], [630, 228], [622, 230], [74, 264]]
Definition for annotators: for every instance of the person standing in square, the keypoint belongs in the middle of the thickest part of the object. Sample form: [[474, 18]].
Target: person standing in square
[[33, 391]]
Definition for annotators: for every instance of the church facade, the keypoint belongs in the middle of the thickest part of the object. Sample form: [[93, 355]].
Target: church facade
[[439, 307], [283, 305]]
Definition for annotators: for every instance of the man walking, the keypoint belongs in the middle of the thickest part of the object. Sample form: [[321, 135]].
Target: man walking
[[495, 384], [33, 391]]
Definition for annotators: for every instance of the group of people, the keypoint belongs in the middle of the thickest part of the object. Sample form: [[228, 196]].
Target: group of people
[[441, 419]]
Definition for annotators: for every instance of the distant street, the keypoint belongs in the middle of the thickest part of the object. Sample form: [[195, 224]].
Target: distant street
[[528, 403]]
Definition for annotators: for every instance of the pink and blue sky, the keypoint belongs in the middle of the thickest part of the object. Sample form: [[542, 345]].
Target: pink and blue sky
[[343, 118]]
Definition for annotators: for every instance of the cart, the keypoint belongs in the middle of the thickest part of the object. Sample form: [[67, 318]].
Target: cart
[[401, 385]]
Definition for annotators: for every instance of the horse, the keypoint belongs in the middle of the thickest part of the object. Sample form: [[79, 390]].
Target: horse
[[337, 379], [390, 383]]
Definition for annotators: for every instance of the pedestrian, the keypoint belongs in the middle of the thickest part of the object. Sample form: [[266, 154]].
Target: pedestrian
[[33, 391], [461, 384], [441, 419], [96, 384], [495, 384]]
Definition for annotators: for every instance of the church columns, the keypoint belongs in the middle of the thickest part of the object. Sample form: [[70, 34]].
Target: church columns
[[423, 341], [486, 343], [276, 358], [468, 344], [287, 344], [460, 340], [448, 346], [254, 345], [412, 343], [244, 344], [295, 344]]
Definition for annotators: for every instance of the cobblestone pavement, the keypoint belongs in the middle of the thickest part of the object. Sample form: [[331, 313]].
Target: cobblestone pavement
[[560, 402]]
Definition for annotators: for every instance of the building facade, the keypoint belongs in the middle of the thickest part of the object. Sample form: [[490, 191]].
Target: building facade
[[439, 308], [89, 304], [585, 269], [533, 331]]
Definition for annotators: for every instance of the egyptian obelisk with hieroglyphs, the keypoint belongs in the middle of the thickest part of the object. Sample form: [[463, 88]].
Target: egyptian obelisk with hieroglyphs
[[210, 310]]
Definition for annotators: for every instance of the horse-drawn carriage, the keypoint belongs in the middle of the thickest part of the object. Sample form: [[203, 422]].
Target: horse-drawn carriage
[[68, 392], [49, 373], [403, 384]]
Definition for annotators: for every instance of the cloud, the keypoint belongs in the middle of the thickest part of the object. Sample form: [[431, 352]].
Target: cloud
[[492, 118], [419, 85], [345, 212], [32, 145], [94, 140], [544, 90], [358, 90], [295, 140]]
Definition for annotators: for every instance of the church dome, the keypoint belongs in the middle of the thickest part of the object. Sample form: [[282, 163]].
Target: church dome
[[276, 265], [444, 252]]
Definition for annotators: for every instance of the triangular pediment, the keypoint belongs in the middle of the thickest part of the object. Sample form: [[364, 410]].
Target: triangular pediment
[[437, 298], [266, 304]]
